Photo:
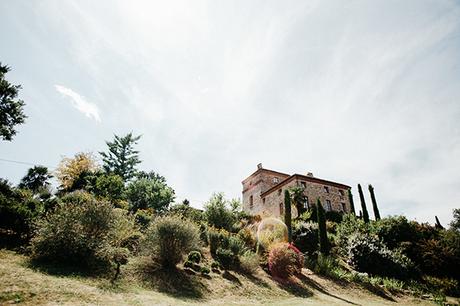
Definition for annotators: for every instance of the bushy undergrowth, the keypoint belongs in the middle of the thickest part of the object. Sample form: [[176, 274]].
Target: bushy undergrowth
[[249, 262], [366, 253], [305, 236], [284, 260], [169, 238], [85, 233]]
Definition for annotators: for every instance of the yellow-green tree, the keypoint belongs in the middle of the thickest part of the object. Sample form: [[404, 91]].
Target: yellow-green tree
[[71, 169]]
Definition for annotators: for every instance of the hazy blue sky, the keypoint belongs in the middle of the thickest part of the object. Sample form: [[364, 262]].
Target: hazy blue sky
[[353, 91]]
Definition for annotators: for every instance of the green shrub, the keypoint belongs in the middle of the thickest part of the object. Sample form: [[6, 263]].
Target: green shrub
[[247, 236], [225, 257], [393, 230], [192, 265], [236, 245], [349, 226], [218, 239], [18, 210], [205, 270], [169, 238], [194, 256], [305, 236], [217, 212], [84, 233], [249, 262], [321, 264], [143, 217], [367, 253], [284, 260], [215, 265]]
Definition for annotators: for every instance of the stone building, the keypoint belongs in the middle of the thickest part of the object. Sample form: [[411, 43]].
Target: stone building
[[263, 192]]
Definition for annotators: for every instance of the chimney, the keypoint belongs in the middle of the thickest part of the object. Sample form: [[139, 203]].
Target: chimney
[[259, 166], [309, 174]]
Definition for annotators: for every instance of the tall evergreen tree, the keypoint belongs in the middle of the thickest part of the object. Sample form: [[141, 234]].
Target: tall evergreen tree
[[11, 109], [374, 203], [363, 204], [322, 232], [352, 203], [121, 159], [287, 213]]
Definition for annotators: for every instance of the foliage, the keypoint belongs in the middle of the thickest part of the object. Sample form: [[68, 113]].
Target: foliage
[[109, 186], [349, 225], [36, 179], [374, 203], [363, 204], [305, 236], [366, 253], [18, 209], [455, 223], [194, 256], [352, 203], [217, 212], [185, 210], [225, 257], [205, 270], [334, 216], [322, 233], [321, 264], [71, 171], [149, 190], [248, 237], [143, 217], [169, 238], [84, 233], [249, 262], [121, 158], [393, 230], [11, 109], [287, 214], [284, 260], [298, 198]]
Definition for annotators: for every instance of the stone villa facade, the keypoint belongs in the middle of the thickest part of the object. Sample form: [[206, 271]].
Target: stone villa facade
[[263, 192]]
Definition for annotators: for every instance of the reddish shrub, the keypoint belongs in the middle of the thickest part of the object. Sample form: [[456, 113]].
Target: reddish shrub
[[285, 260]]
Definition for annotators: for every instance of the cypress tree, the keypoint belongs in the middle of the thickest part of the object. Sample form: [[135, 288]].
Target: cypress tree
[[352, 204], [287, 213], [438, 224], [363, 204], [374, 203], [322, 233]]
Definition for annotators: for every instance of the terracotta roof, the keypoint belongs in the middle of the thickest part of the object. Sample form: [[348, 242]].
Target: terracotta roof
[[304, 178]]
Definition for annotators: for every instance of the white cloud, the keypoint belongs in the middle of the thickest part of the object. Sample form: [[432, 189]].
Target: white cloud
[[89, 109]]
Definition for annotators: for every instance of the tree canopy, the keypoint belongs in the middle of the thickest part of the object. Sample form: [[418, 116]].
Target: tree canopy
[[36, 179], [149, 190], [11, 109], [71, 172], [121, 158]]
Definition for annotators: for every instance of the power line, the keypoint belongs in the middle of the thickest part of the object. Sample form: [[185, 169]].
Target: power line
[[22, 162]]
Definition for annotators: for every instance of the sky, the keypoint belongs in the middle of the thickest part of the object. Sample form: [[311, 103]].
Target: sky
[[354, 91]]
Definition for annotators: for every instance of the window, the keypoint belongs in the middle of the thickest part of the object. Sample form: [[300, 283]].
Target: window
[[305, 204], [344, 207], [279, 192], [263, 200], [303, 184], [326, 189], [328, 205], [276, 180], [251, 202], [341, 192], [281, 209]]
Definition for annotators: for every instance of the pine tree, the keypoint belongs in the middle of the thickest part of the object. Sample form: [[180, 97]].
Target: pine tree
[[374, 203], [322, 233], [352, 204], [11, 108], [287, 213], [363, 204], [122, 158]]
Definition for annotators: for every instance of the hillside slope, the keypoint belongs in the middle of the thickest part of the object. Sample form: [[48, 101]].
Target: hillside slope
[[20, 283]]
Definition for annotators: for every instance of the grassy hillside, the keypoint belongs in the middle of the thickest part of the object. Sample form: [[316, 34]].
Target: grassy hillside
[[21, 282]]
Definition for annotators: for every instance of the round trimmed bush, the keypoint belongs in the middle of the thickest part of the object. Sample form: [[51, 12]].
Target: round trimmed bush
[[169, 238], [194, 256], [85, 233], [284, 260]]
